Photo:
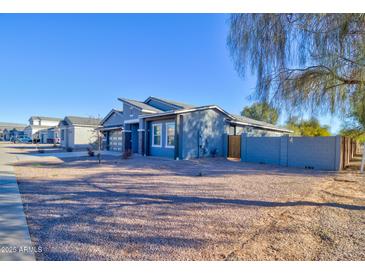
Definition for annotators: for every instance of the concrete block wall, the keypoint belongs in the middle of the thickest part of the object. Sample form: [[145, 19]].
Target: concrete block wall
[[321, 153], [264, 150]]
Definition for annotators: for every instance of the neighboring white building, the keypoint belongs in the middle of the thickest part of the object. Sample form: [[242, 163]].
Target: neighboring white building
[[78, 132], [38, 123]]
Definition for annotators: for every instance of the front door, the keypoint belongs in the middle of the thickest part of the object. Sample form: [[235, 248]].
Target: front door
[[128, 141], [134, 137]]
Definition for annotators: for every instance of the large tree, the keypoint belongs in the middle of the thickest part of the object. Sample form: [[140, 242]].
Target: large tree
[[262, 112], [310, 127], [354, 125], [304, 61]]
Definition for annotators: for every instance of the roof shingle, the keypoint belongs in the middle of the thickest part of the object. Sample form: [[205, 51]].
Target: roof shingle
[[140, 105]]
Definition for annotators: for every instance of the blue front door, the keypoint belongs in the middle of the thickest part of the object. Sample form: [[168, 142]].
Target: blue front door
[[134, 139]]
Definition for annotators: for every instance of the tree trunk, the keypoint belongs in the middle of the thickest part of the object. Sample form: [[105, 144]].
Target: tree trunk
[[363, 159]]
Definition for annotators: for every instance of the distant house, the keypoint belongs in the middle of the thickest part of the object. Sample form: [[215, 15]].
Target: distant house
[[39, 123], [78, 132], [166, 128], [10, 131], [50, 135]]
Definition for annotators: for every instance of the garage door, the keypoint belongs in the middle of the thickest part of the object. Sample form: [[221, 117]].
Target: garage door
[[115, 140]]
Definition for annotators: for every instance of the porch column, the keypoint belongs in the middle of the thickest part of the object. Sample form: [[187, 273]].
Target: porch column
[[177, 153], [146, 139]]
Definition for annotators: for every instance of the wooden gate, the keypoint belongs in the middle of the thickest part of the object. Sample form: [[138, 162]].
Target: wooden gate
[[234, 146]]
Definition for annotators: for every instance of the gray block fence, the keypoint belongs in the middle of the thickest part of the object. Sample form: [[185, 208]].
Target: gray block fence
[[321, 153]]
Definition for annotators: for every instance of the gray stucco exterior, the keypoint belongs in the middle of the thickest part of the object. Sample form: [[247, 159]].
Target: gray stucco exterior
[[198, 131], [202, 132], [115, 118], [130, 112]]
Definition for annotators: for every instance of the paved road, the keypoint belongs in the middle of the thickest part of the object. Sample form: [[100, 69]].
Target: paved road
[[15, 243]]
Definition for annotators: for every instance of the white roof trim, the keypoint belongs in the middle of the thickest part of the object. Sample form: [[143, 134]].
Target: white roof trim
[[109, 128], [131, 121]]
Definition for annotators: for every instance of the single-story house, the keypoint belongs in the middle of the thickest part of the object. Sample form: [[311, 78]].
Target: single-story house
[[166, 128], [39, 123], [78, 132]]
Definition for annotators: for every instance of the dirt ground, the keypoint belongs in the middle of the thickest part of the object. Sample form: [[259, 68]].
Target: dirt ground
[[153, 209]]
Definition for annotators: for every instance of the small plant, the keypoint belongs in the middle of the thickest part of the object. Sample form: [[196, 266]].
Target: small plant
[[127, 154], [69, 149], [200, 174], [40, 150], [90, 152]]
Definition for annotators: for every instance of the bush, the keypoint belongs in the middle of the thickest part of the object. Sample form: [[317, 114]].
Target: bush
[[40, 150], [69, 149], [90, 152]]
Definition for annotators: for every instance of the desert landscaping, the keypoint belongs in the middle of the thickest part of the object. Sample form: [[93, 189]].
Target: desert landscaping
[[205, 209]]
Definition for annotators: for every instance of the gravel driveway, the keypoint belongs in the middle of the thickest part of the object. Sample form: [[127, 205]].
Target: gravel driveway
[[153, 209]]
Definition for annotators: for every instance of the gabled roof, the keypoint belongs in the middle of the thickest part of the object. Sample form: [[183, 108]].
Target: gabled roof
[[140, 105], [257, 123], [170, 102], [117, 111], [232, 118], [45, 118], [180, 111], [82, 121]]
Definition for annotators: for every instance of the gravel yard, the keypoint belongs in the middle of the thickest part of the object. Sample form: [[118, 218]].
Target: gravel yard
[[153, 209]]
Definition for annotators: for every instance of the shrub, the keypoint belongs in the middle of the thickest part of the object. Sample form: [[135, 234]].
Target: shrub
[[90, 152], [69, 149], [40, 150]]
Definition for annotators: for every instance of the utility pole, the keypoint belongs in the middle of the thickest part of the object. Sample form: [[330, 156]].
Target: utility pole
[[99, 146]]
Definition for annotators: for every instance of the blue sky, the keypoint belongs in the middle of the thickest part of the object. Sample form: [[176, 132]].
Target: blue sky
[[79, 64]]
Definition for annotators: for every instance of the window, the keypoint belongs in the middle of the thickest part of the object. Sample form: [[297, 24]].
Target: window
[[170, 135], [156, 135], [62, 135]]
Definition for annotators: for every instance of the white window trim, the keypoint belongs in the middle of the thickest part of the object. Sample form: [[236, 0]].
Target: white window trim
[[166, 135], [153, 135]]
